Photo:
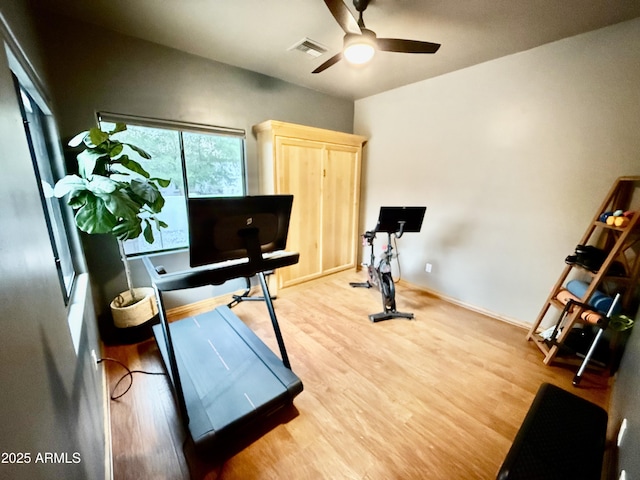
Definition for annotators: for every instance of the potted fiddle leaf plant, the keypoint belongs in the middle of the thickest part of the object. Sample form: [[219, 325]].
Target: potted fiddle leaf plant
[[112, 193]]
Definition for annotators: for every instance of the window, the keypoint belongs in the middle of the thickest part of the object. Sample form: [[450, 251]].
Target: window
[[200, 161], [45, 148]]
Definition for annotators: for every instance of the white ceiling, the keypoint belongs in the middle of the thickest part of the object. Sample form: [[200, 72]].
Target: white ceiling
[[257, 34]]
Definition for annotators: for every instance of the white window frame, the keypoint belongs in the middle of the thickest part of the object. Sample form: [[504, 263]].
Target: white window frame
[[46, 172]]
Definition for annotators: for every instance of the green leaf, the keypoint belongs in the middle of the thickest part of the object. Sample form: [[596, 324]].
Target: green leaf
[[77, 140], [120, 127], [94, 217], [149, 193], [87, 160], [68, 184], [101, 185], [122, 205], [127, 230], [118, 176], [112, 193], [115, 149], [148, 232], [78, 198], [161, 182], [132, 165], [97, 137], [139, 151], [156, 207]]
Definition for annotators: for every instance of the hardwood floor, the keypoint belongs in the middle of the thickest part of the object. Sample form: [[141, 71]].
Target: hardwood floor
[[438, 397]]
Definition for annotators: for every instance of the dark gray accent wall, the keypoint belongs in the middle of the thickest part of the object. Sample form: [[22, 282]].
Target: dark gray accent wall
[[52, 397], [92, 69]]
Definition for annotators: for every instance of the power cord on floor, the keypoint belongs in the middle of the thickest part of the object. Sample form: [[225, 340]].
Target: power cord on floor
[[129, 374]]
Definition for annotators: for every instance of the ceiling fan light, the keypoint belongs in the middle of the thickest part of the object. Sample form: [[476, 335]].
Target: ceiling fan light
[[359, 48], [359, 52]]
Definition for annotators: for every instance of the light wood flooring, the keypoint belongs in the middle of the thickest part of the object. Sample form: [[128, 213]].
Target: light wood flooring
[[438, 397]]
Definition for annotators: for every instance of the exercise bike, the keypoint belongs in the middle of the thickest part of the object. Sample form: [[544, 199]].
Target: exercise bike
[[394, 221]]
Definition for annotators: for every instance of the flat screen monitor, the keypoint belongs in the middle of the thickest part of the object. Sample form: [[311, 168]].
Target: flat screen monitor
[[219, 227], [390, 219]]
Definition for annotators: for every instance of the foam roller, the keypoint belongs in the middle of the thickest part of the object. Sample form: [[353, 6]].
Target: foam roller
[[587, 316], [598, 300]]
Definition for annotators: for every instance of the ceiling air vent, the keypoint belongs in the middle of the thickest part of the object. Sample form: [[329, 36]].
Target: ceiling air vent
[[310, 47]]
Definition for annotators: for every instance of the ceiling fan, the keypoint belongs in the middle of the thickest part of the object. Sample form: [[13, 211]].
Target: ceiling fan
[[360, 43]]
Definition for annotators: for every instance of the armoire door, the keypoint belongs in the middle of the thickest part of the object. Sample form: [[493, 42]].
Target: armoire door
[[321, 169], [340, 187], [298, 167]]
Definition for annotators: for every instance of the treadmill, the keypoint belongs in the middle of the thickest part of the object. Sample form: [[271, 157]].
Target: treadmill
[[225, 379]]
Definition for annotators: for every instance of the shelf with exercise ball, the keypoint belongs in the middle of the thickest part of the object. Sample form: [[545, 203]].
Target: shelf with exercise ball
[[605, 264]]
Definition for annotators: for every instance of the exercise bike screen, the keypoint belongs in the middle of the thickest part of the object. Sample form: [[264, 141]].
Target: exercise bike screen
[[391, 218]]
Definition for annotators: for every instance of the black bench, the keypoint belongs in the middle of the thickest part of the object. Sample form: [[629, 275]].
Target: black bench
[[562, 437]]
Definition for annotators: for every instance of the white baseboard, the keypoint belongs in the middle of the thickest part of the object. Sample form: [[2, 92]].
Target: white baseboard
[[467, 306], [108, 449]]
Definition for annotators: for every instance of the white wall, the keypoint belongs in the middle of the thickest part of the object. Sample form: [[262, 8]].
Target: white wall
[[512, 158]]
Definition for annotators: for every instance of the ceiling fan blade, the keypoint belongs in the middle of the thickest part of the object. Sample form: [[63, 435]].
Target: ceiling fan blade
[[343, 16], [406, 46], [332, 61]]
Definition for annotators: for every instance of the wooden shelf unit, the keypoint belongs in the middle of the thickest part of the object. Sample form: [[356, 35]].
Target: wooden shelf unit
[[622, 245]]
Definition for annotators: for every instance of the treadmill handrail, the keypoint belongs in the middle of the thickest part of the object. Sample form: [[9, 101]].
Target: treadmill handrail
[[218, 273]]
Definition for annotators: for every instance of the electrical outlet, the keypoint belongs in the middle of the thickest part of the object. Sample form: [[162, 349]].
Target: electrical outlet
[[428, 267], [94, 357]]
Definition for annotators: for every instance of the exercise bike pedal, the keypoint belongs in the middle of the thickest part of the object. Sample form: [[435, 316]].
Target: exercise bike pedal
[[360, 284], [379, 317]]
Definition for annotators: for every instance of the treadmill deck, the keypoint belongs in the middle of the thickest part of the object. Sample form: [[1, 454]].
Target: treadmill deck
[[229, 376]]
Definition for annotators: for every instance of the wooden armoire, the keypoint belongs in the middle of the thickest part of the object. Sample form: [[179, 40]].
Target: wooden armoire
[[321, 169]]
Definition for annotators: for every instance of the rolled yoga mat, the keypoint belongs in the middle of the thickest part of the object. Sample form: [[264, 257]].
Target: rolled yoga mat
[[587, 316], [598, 300]]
